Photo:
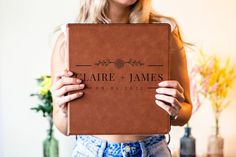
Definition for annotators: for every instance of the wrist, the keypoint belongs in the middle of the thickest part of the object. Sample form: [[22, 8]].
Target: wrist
[[63, 110]]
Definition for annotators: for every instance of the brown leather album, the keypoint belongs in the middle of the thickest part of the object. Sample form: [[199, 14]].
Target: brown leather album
[[121, 66]]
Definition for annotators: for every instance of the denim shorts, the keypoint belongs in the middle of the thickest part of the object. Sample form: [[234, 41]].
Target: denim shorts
[[91, 146]]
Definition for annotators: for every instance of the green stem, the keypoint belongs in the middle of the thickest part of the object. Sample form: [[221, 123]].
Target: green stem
[[217, 116], [50, 131], [187, 125]]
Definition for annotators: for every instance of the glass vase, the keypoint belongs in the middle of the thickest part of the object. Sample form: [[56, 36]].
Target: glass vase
[[50, 146], [187, 144], [215, 147]]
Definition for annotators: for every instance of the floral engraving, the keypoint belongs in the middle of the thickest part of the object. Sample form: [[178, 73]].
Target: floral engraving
[[119, 63]]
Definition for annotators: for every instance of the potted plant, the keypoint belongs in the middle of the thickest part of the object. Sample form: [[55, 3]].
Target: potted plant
[[50, 144]]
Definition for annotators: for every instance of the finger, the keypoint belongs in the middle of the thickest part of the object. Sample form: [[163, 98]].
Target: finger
[[65, 99], [173, 84], [169, 99], [170, 110], [65, 89], [172, 92], [63, 73], [66, 81], [59, 74]]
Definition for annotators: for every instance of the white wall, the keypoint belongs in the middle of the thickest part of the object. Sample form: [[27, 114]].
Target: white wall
[[210, 25], [25, 30]]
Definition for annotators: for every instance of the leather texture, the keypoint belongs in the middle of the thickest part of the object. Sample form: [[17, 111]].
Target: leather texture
[[121, 66]]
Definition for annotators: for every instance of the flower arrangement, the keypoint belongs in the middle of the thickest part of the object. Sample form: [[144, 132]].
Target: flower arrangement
[[45, 97], [213, 79], [50, 144]]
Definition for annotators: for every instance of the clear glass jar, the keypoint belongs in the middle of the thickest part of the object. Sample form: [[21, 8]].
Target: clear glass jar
[[215, 147], [50, 146]]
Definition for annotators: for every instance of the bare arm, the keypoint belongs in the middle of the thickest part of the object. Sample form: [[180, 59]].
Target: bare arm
[[174, 95], [62, 83], [179, 72], [57, 64]]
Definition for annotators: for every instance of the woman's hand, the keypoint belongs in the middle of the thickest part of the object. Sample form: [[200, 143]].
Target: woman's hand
[[170, 96], [64, 83]]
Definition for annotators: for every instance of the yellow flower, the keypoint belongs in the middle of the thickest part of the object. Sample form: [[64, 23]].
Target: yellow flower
[[45, 85], [216, 79]]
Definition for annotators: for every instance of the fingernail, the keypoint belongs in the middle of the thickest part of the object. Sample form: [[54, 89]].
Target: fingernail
[[69, 73], [78, 81], [160, 83], [80, 93], [81, 85], [157, 102]]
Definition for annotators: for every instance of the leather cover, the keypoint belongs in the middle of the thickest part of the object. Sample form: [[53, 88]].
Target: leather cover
[[121, 66]]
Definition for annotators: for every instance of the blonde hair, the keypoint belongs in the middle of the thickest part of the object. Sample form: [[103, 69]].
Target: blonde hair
[[94, 11]]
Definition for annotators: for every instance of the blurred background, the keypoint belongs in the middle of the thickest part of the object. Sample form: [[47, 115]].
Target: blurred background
[[26, 38]]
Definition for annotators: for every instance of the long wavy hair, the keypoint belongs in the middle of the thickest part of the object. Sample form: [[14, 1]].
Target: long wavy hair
[[94, 11]]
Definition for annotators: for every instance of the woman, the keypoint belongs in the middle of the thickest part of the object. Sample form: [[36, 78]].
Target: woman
[[172, 95]]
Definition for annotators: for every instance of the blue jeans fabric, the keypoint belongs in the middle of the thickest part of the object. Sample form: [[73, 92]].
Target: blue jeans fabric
[[90, 146]]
